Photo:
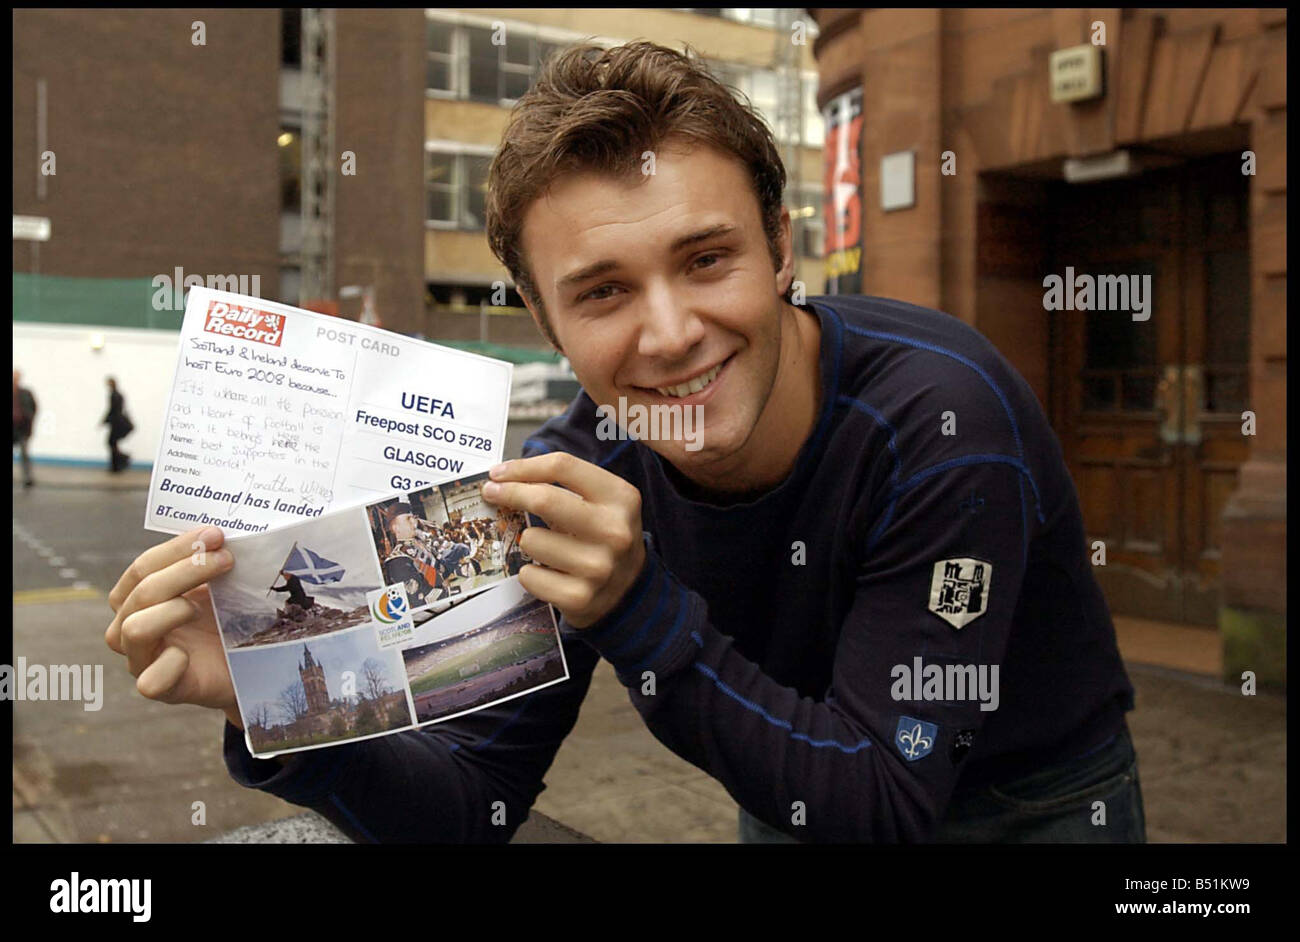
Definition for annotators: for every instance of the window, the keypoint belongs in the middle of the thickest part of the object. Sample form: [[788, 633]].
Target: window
[[440, 187], [475, 189], [290, 147], [455, 186], [291, 38], [463, 62], [439, 62], [516, 65], [484, 65]]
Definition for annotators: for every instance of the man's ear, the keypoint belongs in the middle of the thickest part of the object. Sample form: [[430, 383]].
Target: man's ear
[[785, 242]]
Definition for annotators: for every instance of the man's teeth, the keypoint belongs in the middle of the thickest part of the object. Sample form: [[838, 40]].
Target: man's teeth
[[694, 386]]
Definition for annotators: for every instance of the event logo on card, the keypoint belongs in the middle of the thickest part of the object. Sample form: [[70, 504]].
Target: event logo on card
[[391, 612], [245, 323]]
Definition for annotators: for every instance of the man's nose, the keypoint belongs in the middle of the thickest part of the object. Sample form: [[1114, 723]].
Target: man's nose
[[669, 328]]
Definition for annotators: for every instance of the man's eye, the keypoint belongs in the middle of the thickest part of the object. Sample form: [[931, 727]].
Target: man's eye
[[594, 294], [715, 256]]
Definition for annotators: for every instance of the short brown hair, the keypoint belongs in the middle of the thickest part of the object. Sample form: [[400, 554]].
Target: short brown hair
[[597, 109]]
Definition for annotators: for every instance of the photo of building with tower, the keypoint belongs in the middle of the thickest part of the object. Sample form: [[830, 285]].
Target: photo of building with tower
[[313, 693]]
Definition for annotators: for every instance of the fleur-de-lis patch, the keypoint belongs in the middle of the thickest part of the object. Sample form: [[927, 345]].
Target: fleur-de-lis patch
[[915, 738]]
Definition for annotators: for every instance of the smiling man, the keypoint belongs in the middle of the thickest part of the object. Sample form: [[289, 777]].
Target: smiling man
[[876, 519], [859, 596]]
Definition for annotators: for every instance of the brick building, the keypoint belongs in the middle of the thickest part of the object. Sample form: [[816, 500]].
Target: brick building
[[174, 136], [1174, 169], [162, 150]]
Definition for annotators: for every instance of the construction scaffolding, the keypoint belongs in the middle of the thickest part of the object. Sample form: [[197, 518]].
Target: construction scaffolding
[[318, 155], [787, 61]]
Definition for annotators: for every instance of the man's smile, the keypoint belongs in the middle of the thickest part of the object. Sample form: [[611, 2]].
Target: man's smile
[[689, 390]]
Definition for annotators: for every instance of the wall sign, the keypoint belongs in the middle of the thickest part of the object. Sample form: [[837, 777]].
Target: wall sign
[[843, 193]]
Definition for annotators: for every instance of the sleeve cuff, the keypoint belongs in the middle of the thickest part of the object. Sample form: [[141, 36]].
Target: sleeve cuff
[[654, 628], [301, 779]]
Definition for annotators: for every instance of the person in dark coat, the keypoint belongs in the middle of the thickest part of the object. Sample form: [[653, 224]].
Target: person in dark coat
[[297, 594], [119, 427], [24, 425]]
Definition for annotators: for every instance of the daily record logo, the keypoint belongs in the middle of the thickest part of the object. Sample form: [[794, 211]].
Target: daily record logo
[[388, 606], [244, 323]]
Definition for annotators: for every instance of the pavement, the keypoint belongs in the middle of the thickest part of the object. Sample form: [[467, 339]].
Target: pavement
[[1212, 761]]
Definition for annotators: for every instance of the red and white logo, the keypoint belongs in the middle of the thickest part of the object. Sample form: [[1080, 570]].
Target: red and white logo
[[246, 323]]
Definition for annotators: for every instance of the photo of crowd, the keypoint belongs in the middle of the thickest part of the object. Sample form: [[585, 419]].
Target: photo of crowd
[[445, 541]]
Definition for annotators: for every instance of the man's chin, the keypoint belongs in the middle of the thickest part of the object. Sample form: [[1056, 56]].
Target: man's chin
[[706, 447]]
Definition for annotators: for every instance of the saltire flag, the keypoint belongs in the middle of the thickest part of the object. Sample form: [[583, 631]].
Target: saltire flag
[[312, 567]]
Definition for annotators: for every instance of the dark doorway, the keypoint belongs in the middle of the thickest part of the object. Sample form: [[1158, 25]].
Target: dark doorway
[[1149, 413]]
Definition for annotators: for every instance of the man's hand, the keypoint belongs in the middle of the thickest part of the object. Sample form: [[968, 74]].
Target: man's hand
[[165, 625], [592, 553]]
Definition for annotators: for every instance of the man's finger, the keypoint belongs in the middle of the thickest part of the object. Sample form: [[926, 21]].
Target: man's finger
[[565, 553], [161, 556], [569, 594], [160, 678], [561, 509], [582, 477], [180, 577], [142, 630]]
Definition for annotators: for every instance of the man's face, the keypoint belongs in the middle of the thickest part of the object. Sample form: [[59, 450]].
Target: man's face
[[661, 290], [404, 527]]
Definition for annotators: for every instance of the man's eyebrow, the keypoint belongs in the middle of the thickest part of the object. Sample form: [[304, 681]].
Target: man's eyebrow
[[591, 271], [711, 232], [604, 265]]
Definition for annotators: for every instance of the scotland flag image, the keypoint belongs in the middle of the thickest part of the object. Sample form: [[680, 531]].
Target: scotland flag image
[[312, 567], [915, 738]]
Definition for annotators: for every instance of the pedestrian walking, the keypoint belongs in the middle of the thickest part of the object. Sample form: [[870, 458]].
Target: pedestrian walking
[[119, 427], [24, 424]]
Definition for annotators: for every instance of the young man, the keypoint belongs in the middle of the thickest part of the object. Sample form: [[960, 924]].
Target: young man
[[863, 602]]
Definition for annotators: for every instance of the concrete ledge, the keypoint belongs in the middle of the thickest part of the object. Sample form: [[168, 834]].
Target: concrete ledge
[[311, 828]]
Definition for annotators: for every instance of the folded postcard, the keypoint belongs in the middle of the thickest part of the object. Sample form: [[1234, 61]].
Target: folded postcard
[[373, 619], [278, 415]]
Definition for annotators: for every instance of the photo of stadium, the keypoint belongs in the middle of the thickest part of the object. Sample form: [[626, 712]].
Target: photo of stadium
[[497, 646]]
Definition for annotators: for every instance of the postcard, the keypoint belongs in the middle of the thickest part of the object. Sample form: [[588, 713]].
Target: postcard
[[279, 415], [374, 619]]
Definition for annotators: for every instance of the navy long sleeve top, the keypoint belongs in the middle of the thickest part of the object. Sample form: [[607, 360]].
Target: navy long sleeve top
[[929, 523]]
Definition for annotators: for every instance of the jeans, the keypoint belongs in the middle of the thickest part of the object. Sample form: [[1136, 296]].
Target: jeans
[[1055, 805]]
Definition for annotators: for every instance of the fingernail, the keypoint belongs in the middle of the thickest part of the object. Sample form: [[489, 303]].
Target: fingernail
[[223, 557], [210, 537], [491, 489], [498, 469]]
